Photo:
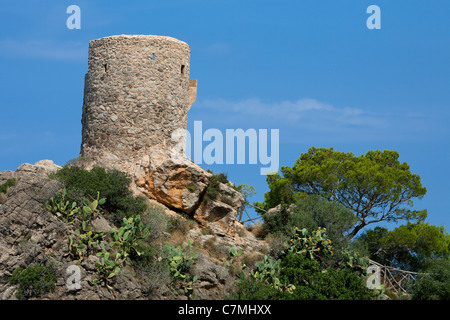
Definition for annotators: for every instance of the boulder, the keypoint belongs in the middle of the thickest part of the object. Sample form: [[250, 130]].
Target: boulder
[[175, 182], [42, 167], [213, 280], [220, 213]]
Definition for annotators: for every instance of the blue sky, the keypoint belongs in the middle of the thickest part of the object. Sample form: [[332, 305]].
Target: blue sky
[[311, 69]]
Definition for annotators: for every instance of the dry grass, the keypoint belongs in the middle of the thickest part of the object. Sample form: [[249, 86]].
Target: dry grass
[[177, 238], [3, 198], [276, 244], [258, 230], [250, 259], [213, 250]]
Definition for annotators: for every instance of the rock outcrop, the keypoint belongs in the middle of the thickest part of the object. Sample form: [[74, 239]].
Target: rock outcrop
[[220, 213], [31, 234], [175, 182]]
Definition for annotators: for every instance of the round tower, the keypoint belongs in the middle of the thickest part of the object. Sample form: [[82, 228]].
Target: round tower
[[137, 92]]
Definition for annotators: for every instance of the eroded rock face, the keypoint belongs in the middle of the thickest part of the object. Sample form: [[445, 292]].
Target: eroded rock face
[[220, 213], [31, 234], [213, 280], [175, 182]]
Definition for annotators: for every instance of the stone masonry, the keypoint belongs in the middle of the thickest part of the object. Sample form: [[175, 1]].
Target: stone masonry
[[137, 93], [136, 99]]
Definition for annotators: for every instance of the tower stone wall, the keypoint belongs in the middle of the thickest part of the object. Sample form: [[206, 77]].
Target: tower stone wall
[[137, 93], [136, 98]]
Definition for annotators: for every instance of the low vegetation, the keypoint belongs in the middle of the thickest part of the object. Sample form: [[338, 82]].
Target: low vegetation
[[343, 194], [33, 281], [314, 220], [5, 188]]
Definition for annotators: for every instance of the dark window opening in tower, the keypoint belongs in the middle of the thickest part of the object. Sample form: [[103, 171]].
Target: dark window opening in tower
[[182, 68], [106, 67]]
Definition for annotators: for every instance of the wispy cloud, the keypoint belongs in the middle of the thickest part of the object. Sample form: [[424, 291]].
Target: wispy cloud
[[300, 112], [312, 118], [217, 48], [44, 49]]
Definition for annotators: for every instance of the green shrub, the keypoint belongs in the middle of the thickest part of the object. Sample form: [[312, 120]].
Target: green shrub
[[304, 273], [311, 212], [127, 236], [315, 245], [212, 191], [254, 289], [179, 263], [267, 271], [8, 184], [111, 183], [59, 205], [33, 281], [313, 283], [435, 284]]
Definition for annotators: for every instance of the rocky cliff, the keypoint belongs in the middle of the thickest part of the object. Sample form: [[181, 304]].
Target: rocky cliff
[[31, 235]]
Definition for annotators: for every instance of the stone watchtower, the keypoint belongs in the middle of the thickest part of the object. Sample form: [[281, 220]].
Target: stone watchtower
[[137, 92], [136, 98]]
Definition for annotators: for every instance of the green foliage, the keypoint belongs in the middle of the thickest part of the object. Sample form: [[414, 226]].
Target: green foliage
[[408, 247], [4, 187], [375, 186], [234, 254], [314, 245], [75, 248], [353, 260], [311, 282], [179, 263], [212, 191], [435, 284], [33, 281], [254, 289], [86, 243], [301, 278], [267, 271], [312, 212], [90, 210], [112, 184], [282, 192], [305, 272], [59, 205], [127, 236], [106, 268]]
